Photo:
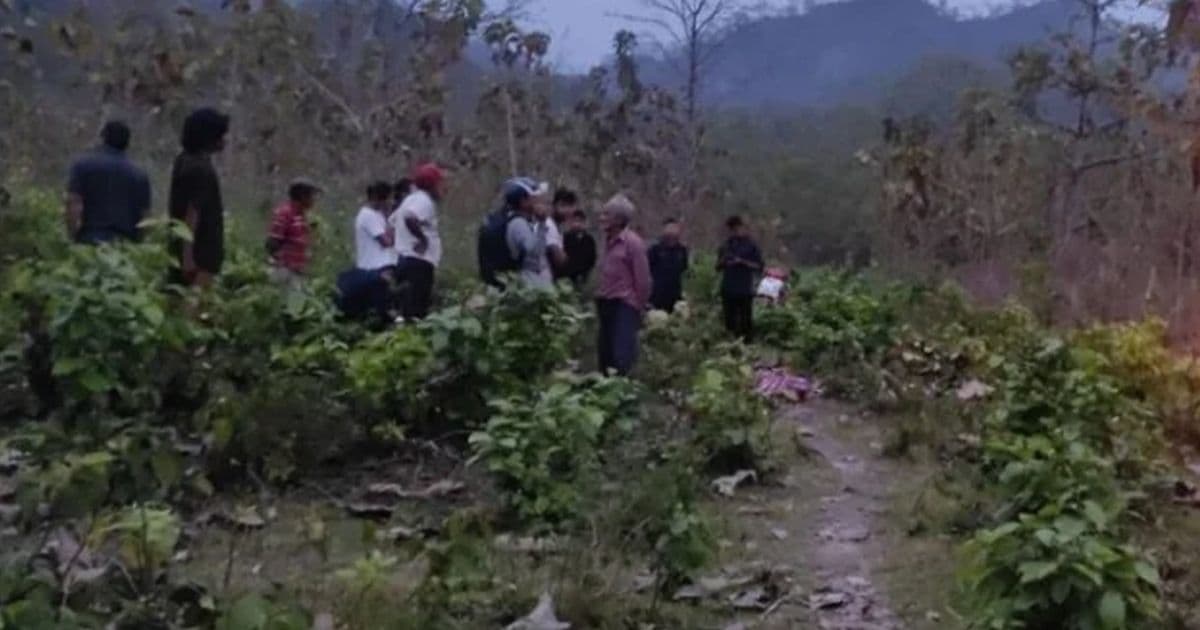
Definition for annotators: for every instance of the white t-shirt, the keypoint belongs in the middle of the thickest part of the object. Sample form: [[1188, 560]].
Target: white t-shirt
[[420, 205], [770, 288], [369, 253], [553, 236]]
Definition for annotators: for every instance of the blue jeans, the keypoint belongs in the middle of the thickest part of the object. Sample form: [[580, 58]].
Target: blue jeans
[[618, 337]]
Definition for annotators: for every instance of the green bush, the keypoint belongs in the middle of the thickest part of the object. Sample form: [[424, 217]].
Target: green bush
[[732, 422], [107, 324], [542, 447]]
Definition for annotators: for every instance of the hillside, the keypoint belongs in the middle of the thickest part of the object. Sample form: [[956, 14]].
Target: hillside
[[855, 50]]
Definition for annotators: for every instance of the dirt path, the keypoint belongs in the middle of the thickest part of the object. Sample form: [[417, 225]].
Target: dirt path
[[834, 525], [844, 539]]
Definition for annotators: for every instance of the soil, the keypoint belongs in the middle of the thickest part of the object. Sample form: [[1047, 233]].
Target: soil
[[832, 523]]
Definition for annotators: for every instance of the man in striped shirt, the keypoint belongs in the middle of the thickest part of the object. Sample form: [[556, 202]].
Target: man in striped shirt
[[289, 237]]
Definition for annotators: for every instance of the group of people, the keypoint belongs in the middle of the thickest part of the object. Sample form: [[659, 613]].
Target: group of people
[[536, 238]]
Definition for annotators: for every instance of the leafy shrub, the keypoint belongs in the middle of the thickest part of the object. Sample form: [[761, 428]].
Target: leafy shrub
[[670, 345], [496, 344], [106, 318], [1060, 569], [391, 369], [543, 446], [145, 535], [732, 422], [662, 516], [1137, 356]]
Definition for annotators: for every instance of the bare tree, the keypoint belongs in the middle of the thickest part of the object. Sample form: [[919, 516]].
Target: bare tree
[[690, 32]]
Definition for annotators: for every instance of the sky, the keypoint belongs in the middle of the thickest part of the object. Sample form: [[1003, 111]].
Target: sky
[[582, 30]]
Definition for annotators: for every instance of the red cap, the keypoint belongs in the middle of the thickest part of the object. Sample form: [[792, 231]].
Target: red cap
[[428, 176]]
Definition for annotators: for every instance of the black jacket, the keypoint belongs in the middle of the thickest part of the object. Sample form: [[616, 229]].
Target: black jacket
[[740, 261], [580, 249], [668, 263]]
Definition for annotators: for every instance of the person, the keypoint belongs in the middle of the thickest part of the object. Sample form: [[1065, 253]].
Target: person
[[668, 262], [289, 238], [495, 256], [107, 194], [738, 260], [578, 249], [374, 241], [527, 235], [369, 287], [417, 242], [195, 198], [624, 288], [552, 221]]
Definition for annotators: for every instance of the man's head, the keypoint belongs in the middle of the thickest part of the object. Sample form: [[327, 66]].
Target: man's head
[[616, 214], [565, 204], [115, 135], [204, 131], [400, 190], [672, 230], [519, 194], [577, 220], [379, 196], [303, 193], [430, 178], [736, 225]]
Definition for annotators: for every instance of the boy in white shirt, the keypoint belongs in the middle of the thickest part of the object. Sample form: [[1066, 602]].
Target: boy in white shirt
[[373, 237]]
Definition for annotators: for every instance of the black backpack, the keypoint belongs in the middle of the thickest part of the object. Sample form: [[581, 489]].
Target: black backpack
[[495, 258]]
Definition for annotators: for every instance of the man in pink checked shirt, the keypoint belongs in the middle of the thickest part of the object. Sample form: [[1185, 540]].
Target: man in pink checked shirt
[[624, 288]]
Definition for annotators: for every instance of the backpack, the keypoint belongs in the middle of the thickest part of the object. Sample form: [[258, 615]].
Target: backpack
[[494, 256]]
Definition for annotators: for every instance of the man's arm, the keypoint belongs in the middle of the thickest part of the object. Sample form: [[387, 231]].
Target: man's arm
[[192, 219], [755, 261], [144, 200], [416, 228], [277, 234]]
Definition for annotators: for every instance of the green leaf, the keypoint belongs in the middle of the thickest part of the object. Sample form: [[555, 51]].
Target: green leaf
[[249, 613], [1035, 571], [1112, 611], [1095, 514], [1147, 573]]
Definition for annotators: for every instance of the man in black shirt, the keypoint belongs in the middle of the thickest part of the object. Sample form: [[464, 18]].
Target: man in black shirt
[[196, 197], [578, 246], [739, 261], [107, 195], [668, 262]]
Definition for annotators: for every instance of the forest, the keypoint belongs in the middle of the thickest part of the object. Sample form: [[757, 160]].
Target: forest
[[976, 406]]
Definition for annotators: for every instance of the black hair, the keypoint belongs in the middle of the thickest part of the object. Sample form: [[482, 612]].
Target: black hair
[[402, 187], [301, 191], [579, 214], [203, 130], [734, 222], [379, 191], [565, 197], [670, 220], [115, 135]]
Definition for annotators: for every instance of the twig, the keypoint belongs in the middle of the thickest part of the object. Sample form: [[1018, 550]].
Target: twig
[[774, 606], [233, 536]]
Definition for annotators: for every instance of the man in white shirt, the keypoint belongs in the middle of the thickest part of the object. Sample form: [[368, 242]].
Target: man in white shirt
[[418, 245], [374, 246]]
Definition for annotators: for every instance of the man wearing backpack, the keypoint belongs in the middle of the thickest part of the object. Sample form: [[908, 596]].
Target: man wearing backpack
[[528, 237], [496, 258]]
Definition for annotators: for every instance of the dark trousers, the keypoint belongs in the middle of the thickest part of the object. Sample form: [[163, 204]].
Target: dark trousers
[[739, 316], [618, 336], [417, 275]]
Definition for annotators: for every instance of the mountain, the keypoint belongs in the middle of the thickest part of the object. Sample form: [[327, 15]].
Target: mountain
[[853, 51]]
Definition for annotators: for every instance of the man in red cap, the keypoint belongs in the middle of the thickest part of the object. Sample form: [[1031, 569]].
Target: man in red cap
[[418, 245]]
